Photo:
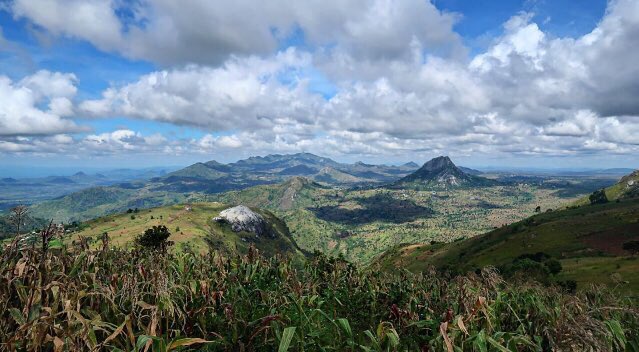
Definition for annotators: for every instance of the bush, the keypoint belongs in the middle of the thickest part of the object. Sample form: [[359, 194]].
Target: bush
[[554, 266], [155, 238], [598, 197], [632, 247]]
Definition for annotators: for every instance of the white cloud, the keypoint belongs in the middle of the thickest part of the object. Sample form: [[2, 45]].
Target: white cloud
[[22, 110], [403, 83], [209, 32]]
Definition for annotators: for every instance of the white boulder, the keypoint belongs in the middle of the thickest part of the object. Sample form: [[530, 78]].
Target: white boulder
[[242, 218]]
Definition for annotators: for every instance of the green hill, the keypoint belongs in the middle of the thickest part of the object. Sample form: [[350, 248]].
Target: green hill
[[587, 241], [98, 201], [191, 226], [626, 188], [294, 193]]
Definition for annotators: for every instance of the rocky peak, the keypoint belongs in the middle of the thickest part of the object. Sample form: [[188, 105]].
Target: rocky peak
[[439, 163], [242, 218]]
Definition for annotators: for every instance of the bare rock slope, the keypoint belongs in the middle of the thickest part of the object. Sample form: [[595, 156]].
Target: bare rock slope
[[242, 218]]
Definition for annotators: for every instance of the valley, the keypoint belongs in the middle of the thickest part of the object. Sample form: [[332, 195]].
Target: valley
[[361, 224], [438, 202]]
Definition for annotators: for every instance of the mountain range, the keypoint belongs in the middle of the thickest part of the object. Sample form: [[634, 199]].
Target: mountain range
[[194, 182]]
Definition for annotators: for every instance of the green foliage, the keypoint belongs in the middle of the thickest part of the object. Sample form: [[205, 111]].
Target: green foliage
[[155, 237], [112, 299], [598, 197]]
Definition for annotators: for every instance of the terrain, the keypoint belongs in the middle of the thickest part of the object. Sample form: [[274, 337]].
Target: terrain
[[587, 241], [31, 190], [362, 222], [192, 228], [194, 182], [343, 208]]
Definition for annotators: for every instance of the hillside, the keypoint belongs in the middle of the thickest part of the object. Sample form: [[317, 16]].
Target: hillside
[[626, 188], [587, 241], [97, 201], [196, 181], [192, 226], [441, 172], [361, 223], [295, 193]]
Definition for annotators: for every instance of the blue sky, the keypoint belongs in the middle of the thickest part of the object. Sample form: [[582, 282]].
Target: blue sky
[[106, 83]]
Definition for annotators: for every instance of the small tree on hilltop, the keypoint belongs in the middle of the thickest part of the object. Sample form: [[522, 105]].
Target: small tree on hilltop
[[632, 247], [155, 238], [598, 197]]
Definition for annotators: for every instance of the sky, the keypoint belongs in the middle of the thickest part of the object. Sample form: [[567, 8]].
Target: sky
[[117, 83]]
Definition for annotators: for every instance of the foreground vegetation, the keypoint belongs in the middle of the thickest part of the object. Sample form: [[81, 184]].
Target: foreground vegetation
[[54, 297]]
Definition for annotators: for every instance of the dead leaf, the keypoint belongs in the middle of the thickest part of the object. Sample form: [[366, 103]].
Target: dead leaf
[[442, 329]]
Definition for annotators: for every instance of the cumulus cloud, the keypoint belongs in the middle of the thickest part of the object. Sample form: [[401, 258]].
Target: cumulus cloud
[[402, 80], [209, 32], [37, 104], [242, 94]]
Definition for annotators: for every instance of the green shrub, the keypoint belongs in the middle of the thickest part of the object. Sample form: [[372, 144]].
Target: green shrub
[[598, 197], [155, 237]]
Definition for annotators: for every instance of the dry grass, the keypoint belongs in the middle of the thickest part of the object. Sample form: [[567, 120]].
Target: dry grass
[[58, 298]]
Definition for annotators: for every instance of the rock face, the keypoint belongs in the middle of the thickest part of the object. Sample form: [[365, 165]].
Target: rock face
[[242, 218], [440, 172]]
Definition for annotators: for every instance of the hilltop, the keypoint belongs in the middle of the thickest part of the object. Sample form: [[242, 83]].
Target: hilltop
[[587, 241], [441, 172], [195, 226]]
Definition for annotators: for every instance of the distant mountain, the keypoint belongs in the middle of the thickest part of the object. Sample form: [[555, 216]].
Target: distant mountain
[[298, 170], [296, 192], [470, 171], [97, 201], [330, 175], [212, 177], [411, 164], [441, 172], [59, 179], [207, 171]]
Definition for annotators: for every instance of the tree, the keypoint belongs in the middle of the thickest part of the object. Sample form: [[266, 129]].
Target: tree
[[538, 209], [19, 215], [632, 247], [554, 266], [598, 197], [155, 238]]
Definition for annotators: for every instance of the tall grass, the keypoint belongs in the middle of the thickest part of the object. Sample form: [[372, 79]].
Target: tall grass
[[57, 298]]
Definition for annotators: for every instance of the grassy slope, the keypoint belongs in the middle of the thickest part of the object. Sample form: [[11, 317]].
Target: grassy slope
[[619, 190], [193, 227], [587, 240]]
